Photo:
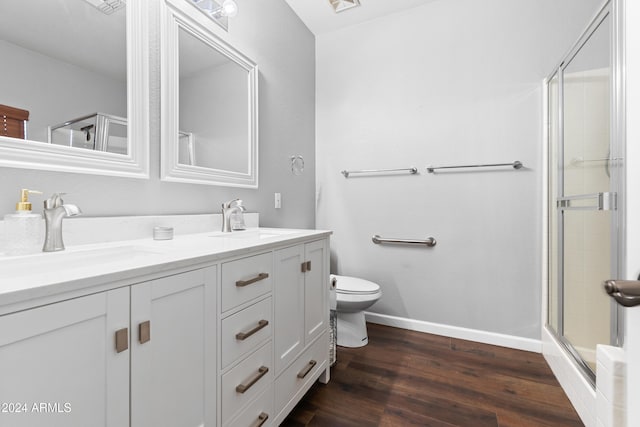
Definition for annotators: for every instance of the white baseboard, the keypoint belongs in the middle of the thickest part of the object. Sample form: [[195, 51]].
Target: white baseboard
[[492, 338]]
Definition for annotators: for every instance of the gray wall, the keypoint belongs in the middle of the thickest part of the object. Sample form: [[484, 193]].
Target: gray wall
[[268, 32], [450, 82], [54, 91]]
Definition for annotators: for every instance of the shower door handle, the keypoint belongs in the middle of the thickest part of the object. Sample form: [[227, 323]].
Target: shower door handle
[[606, 201], [625, 292]]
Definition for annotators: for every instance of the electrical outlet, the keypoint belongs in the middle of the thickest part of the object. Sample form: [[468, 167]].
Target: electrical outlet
[[278, 200]]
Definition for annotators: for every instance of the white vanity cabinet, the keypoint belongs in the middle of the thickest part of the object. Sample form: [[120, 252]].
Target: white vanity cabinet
[[173, 351], [301, 321], [73, 363], [232, 336], [246, 349], [59, 366]]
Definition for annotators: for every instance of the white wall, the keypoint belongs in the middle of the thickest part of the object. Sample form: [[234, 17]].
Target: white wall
[[449, 82], [268, 32]]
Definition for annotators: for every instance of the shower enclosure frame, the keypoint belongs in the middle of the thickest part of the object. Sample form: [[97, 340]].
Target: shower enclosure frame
[[613, 10]]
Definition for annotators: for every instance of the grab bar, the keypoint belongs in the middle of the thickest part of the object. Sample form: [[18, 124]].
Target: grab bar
[[430, 241], [516, 165], [412, 171]]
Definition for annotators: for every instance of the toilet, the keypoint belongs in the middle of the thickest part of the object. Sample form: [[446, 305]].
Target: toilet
[[354, 296]]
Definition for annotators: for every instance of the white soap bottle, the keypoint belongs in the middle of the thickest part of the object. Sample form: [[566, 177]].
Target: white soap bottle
[[237, 218], [23, 229]]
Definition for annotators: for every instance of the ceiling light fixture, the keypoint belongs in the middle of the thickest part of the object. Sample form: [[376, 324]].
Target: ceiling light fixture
[[219, 13], [342, 5]]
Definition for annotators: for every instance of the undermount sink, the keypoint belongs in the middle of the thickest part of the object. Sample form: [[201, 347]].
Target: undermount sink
[[254, 234], [71, 259]]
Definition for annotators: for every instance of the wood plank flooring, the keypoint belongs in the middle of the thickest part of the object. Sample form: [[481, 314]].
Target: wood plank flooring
[[405, 378]]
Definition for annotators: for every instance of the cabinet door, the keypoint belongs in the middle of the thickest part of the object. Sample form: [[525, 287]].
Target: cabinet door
[[173, 355], [289, 305], [59, 365], [316, 289]]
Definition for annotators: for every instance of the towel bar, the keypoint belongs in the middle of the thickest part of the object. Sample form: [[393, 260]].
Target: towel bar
[[412, 171], [516, 165]]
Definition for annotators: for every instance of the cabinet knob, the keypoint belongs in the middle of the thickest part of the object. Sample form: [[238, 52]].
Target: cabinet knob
[[305, 266], [122, 340], [144, 332]]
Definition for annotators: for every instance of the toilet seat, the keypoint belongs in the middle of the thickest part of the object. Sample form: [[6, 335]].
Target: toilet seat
[[347, 285]]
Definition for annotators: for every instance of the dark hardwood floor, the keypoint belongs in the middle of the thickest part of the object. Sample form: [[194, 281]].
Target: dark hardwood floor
[[404, 378]]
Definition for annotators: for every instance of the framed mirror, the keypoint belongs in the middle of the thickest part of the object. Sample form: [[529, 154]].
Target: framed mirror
[[209, 103], [74, 86]]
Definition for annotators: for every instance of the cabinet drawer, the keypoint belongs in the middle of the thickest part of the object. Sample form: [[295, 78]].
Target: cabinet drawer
[[245, 279], [254, 375], [258, 413], [301, 372], [245, 330]]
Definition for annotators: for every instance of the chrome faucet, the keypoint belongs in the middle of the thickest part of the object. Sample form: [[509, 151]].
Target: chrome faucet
[[228, 209], [54, 211]]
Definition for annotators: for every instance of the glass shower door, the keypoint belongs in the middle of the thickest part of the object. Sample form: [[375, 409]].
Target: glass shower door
[[583, 207]]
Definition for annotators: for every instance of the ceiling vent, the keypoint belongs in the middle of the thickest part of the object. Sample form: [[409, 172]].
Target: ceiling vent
[[342, 5], [107, 6]]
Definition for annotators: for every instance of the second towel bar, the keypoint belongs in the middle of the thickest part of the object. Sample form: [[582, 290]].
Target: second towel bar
[[516, 165], [429, 241]]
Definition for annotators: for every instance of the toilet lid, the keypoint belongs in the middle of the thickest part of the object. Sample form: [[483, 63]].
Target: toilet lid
[[355, 285]]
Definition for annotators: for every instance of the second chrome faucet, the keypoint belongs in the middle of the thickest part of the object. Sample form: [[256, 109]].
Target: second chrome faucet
[[232, 216]]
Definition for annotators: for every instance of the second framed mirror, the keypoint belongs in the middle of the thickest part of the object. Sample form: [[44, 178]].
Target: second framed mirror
[[209, 104]]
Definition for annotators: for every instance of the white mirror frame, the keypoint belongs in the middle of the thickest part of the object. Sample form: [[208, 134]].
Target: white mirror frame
[[44, 156], [175, 15]]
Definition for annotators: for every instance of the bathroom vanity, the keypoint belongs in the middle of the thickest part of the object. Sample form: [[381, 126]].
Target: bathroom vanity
[[207, 329]]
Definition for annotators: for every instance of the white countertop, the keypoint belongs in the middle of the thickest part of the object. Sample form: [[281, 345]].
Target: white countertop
[[98, 267]]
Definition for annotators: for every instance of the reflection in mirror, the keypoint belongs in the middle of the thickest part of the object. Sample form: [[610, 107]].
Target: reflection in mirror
[[67, 73], [212, 106], [101, 132], [209, 104], [74, 74]]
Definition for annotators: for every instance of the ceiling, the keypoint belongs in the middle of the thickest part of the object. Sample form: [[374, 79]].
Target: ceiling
[[319, 17], [68, 30]]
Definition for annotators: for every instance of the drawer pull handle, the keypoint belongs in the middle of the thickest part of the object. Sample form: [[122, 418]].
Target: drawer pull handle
[[243, 283], [122, 340], [262, 418], [307, 369], [241, 336], [144, 332], [262, 371]]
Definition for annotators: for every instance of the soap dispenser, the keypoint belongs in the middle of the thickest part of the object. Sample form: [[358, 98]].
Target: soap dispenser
[[23, 229], [237, 218]]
